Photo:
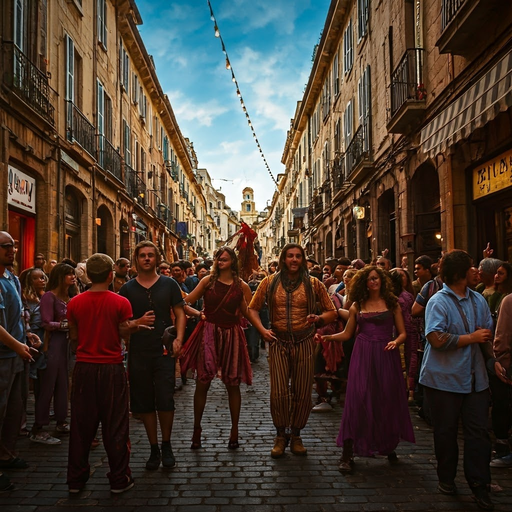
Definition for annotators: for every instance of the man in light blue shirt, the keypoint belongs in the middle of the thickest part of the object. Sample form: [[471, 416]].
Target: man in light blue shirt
[[458, 324]]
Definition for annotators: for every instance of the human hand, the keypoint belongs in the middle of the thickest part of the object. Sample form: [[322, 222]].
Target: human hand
[[481, 335], [34, 340], [176, 347], [268, 336], [392, 345], [501, 373], [311, 319], [488, 252], [147, 320], [24, 352]]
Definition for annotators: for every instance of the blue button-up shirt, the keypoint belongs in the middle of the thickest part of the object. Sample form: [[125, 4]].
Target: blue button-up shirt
[[453, 368], [11, 310]]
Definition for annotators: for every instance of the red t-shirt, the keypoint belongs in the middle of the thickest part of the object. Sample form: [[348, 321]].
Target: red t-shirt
[[97, 316]]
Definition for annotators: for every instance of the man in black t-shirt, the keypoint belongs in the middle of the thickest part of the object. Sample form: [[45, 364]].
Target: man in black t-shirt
[[150, 367]]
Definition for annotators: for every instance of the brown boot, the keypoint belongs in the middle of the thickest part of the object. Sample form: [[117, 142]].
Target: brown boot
[[279, 446], [296, 446]]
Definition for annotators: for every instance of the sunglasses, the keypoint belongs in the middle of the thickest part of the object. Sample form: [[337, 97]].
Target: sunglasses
[[7, 246], [381, 264]]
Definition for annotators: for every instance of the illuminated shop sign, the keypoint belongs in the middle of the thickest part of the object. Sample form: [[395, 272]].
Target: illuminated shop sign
[[21, 190]]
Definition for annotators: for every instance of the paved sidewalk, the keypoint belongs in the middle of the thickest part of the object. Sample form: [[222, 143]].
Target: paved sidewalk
[[215, 479]]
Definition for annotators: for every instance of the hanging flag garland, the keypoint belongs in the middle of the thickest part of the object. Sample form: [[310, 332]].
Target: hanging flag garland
[[238, 93]]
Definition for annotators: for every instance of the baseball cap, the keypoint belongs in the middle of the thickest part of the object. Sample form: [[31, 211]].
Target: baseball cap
[[99, 263]]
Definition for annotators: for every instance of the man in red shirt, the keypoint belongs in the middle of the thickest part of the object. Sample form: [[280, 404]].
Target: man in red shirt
[[98, 319]]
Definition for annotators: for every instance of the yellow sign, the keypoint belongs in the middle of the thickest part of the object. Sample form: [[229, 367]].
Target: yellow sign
[[493, 176]]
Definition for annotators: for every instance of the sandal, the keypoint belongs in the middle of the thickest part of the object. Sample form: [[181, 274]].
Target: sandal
[[196, 438]]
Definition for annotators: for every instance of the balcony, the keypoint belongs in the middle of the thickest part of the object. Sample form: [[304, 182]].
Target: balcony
[[408, 94], [318, 206], [28, 82], [79, 129], [108, 158], [465, 24], [358, 161], [135, 187]]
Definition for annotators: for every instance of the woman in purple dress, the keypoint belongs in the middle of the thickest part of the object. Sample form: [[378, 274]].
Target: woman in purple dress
[[54, 381], [376, 416], [218, 347]]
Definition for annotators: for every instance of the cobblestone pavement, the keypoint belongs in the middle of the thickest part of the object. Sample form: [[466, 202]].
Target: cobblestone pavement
[[215, 479]]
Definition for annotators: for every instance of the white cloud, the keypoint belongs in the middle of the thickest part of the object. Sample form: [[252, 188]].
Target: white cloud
[[187, 110]]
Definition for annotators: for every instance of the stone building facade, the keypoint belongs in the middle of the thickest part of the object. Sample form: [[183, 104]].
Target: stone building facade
[[401, 140], [91, 154]]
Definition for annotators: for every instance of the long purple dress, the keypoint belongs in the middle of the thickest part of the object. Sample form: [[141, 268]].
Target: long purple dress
[[376, 416]]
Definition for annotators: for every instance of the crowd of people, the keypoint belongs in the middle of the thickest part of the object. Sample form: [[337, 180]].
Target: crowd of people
[[361, 329]]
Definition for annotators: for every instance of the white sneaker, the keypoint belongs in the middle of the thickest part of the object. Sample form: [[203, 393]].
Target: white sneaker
[[44, 438], [322, 407], [502, 462]]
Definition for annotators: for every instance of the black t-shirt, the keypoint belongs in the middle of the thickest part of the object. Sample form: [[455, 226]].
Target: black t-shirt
[[160, 298]]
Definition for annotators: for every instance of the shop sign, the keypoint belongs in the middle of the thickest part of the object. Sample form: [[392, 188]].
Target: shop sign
[[493, 176], [21, 190]]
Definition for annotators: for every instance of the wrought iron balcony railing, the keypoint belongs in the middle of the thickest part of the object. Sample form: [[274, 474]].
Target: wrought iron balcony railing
[[108, 157], [449, 11], [338, 173], [135, 187], [407, 80], [79, 129], [28, 82], [359, 147]]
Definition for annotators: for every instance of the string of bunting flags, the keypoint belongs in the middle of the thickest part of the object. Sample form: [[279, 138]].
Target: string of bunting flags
[[239, 94]]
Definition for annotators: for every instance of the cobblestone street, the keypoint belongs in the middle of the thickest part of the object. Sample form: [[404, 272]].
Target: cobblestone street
[[215, 479]]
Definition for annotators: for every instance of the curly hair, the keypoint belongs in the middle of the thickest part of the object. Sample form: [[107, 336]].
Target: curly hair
[[358, 290], [214, 273], [28, 292]]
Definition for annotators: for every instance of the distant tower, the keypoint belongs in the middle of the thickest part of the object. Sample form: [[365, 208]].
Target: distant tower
[[248, 213]]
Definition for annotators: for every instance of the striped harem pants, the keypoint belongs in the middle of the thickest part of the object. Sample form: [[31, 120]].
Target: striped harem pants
[[291, 363]]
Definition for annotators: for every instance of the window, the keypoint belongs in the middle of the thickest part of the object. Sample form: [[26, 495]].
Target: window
[[126, 144], [102, 22], [348, 48], [337, 137], [247, 207], [364, 96], [124, 66], [20, 10], [336, 75], [362, 17], [70, 69], [101, 110], [166, 149], [135, 89], [348, 123]]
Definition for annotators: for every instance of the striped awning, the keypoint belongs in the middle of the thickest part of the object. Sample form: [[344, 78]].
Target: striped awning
[[480, 104]]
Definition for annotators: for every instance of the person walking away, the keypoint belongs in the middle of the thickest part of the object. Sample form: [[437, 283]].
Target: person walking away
[[151, 368], [99, 393]]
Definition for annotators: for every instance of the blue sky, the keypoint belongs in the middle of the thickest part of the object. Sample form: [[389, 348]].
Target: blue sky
[[270, 45]]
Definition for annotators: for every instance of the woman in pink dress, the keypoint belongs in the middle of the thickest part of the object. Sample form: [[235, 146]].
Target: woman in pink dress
[[218, 347]]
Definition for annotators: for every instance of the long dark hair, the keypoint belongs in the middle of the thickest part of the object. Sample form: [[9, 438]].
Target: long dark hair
[[57, 275], [358, 291], [282, 277], [506, 286], [214, 272]]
